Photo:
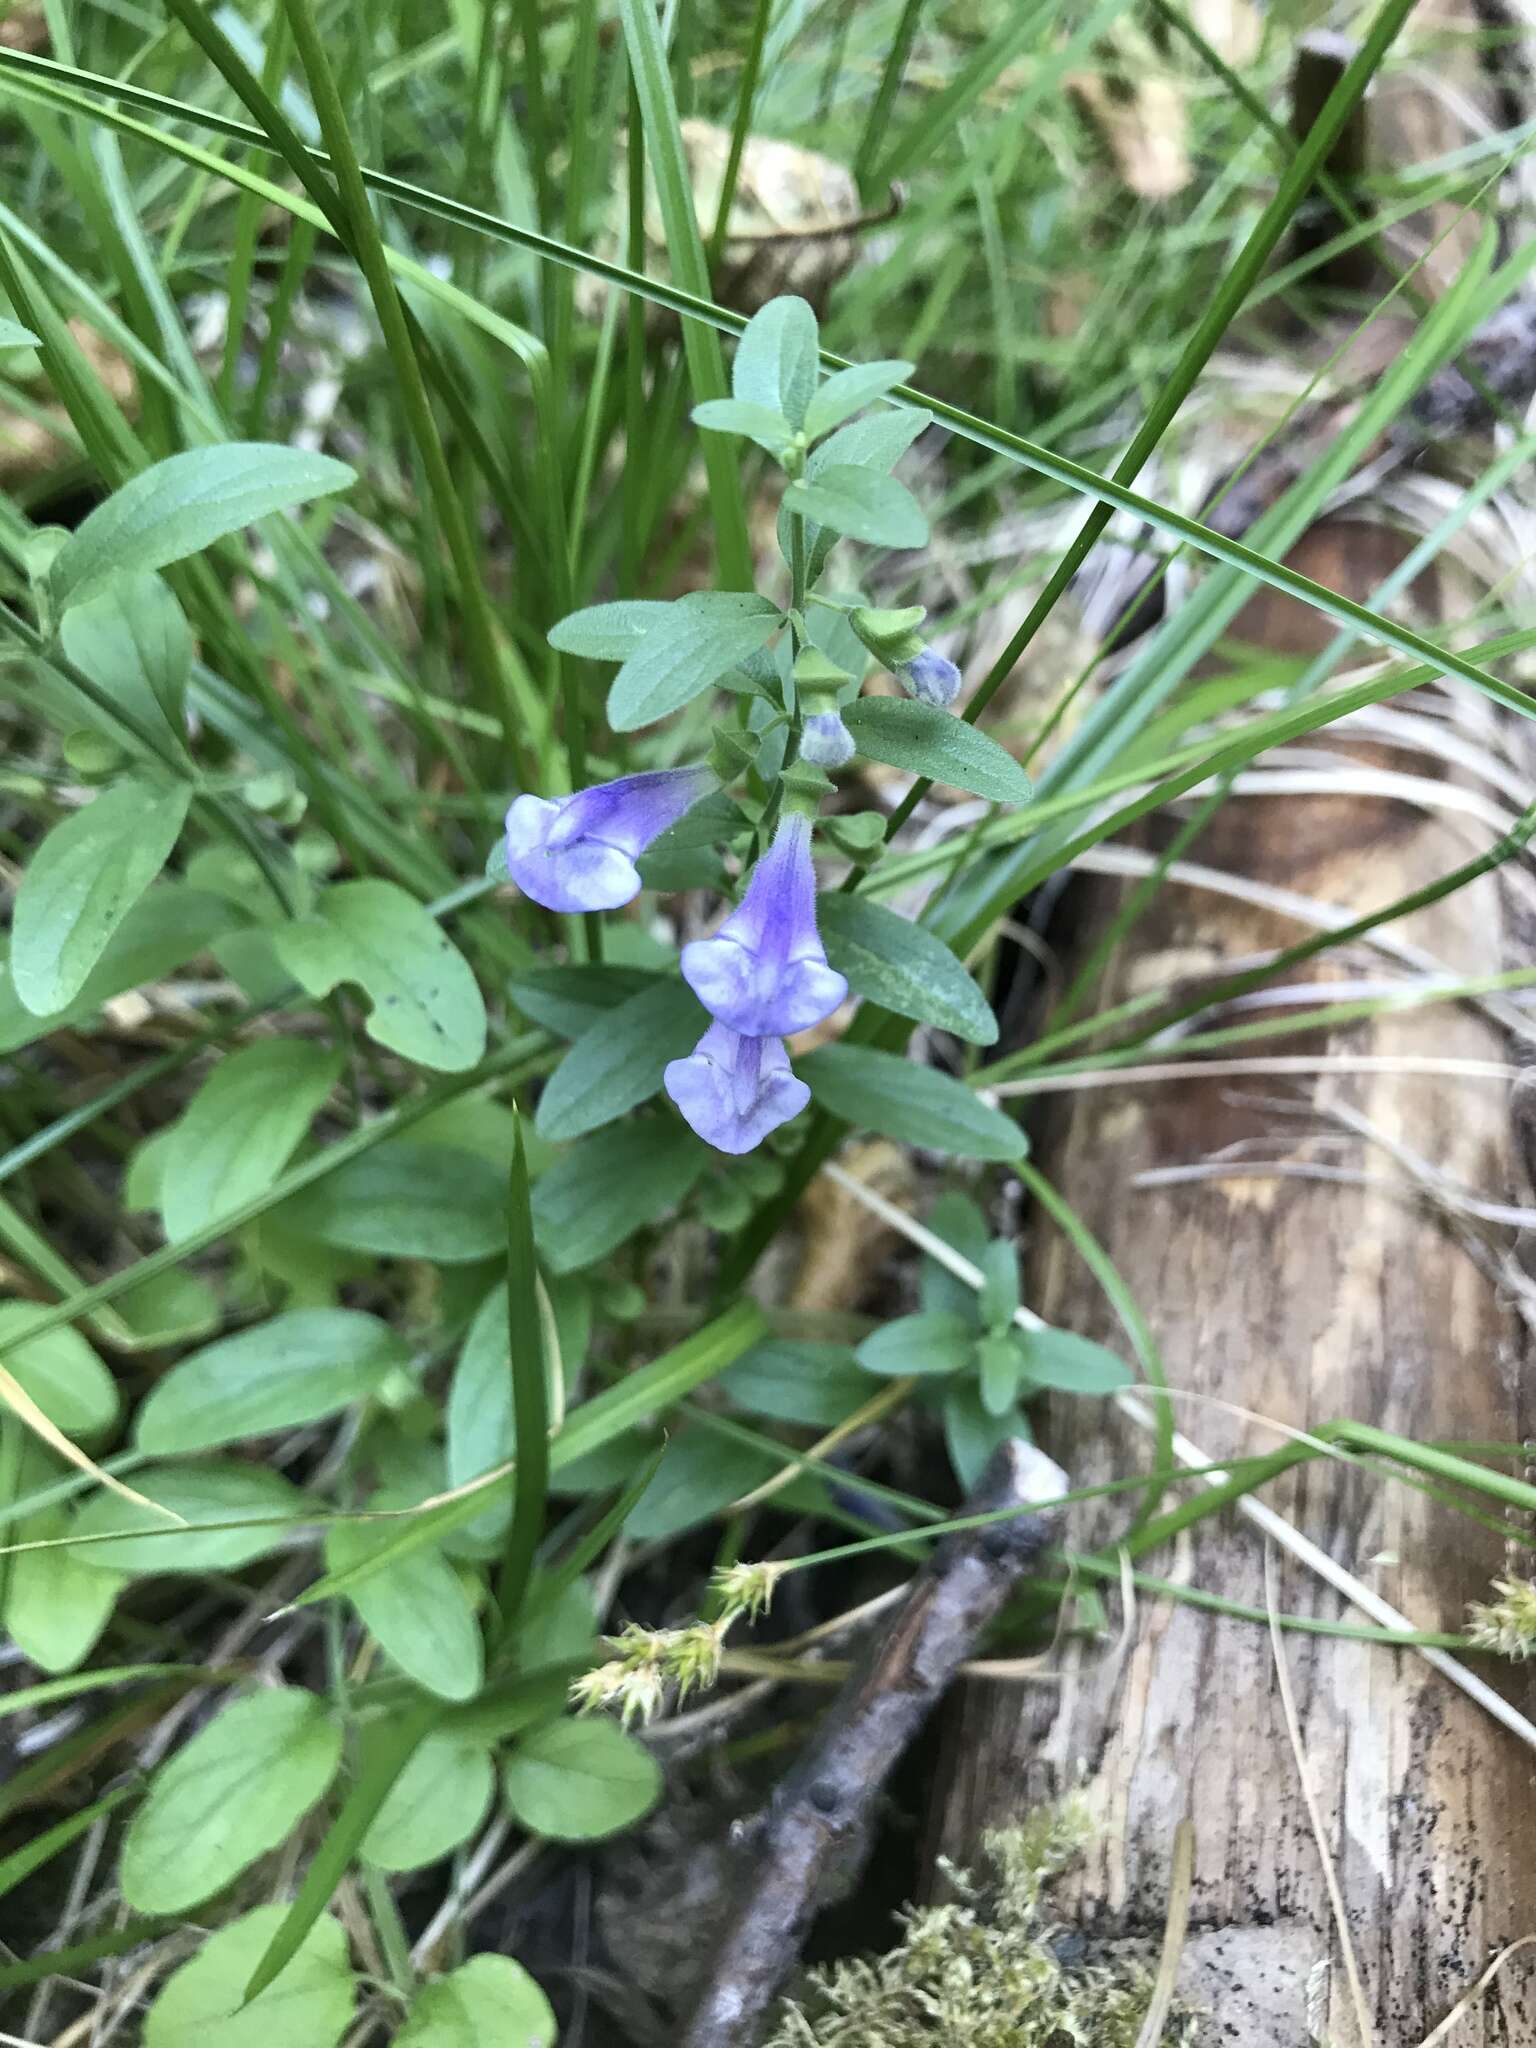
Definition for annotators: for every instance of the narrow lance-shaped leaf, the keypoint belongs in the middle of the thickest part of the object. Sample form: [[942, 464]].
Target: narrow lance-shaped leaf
[[185, 503]]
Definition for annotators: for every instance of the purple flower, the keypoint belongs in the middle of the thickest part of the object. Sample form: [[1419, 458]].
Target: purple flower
[[733, 1091], [765, 972], [825, 741], [579, 852], [931, 677]]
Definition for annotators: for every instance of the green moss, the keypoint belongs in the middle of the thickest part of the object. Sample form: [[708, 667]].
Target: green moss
[[983, 1971]]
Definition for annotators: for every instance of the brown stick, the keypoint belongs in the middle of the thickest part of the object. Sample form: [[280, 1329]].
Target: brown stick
[[824, 1806]]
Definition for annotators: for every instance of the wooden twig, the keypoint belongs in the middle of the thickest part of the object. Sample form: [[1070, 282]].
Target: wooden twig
[[820, 1815]]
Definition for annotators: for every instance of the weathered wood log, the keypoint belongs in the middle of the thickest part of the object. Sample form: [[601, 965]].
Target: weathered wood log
[[820, 1816], [1301, 1301]]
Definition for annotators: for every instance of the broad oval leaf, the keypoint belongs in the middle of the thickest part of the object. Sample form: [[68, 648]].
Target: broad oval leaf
[[436, 1803], [971, 1435], [618, 1063], [608, 632], [405, 1201], [82, 882], [876, 442], [292, 1369], [926, 740], [578, 1780], [308, 2005], [777, 359], [879, 1091], [481, 1427], [212, 1493], [60, 1372], [611, 1185], [426, 1003], [861, 504], [240, 1129], [933, 1341], [903, 967], [1075, 1365], [416, 1608], [236, 1790], [165, 928], [759, 423], [849, 391], [185, 503], [134, 641], [54, 1607], [687, 652], [485, 2002]]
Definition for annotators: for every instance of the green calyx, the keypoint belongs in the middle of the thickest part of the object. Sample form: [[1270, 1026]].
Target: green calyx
[[818, 681], [892, 637]]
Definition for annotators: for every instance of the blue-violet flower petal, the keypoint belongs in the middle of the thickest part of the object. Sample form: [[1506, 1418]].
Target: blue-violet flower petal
[[931, 677], [579, 852], [765, 972], [733, 1091], [825, 741]]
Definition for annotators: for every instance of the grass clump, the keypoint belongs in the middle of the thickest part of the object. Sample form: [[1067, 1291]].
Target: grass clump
[[988, 1969]]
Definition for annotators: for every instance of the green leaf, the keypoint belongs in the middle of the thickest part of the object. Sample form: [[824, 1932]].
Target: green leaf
[[59, 1370], [576, 1781], [436, 1803], [611, 1185], [168, 927], [971, 1435], [479, 1418], [14, 335], [608, 632], [877, 442], [934, 1341], [596, 1425], [925, 740], [308, 2006], [570, 1000], [699, 1474], [862, 505], [955, 1218], [999, 1298], [405, 1201], [416, 1608], [814, 1384], [557, 1627], [237, 1789], [1060, 1358], [200, 1494], [426, 1002], [915, 1105], [849, 391], [383, 1749], [82, 882], [706, 635], [240, 1130], [484, 2002], [777, 359], [292, 1369], [903, 967], [54, 1607], [134, 641], [619, 1062], [1000, 1367], [759, 423], [184, 504]]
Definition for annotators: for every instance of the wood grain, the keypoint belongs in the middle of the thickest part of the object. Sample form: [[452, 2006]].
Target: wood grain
[[1302, 1302]]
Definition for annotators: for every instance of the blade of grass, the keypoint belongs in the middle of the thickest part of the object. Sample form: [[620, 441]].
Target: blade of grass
[[530, 1396], [706, 366]]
